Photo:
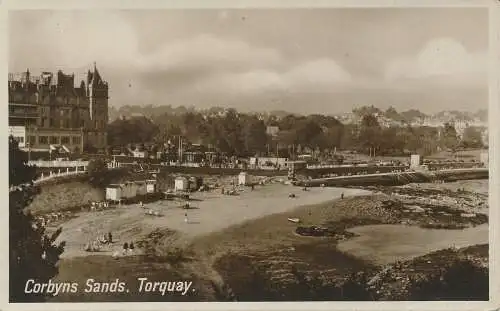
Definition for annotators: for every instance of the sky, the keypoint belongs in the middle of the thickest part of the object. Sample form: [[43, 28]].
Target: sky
[[298, 60]]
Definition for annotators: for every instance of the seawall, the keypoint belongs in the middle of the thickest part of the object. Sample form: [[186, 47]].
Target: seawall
[[397, 179]]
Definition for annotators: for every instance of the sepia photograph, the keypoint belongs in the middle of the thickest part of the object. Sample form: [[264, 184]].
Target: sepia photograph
[[249, 154]]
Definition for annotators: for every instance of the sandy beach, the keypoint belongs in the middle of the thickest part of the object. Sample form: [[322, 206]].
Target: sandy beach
[[211, 211]]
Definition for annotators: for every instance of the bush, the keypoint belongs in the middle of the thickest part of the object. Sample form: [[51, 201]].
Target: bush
[[463, 280], [32, 254], [97, 169]]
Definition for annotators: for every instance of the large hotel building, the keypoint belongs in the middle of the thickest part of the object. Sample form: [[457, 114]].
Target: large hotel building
[[50, 111]]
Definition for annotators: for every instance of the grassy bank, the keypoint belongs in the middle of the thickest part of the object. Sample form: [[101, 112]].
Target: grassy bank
[[65, 196]]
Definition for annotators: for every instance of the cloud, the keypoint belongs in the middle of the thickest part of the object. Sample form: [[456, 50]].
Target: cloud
[[442, 60], [323, 72], [208, 51], [321, 75], [73, 39]]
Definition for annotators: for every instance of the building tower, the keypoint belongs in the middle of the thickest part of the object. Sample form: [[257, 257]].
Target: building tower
[[97, 92]]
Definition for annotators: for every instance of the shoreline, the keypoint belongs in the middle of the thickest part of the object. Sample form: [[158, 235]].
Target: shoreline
[[211, 213]]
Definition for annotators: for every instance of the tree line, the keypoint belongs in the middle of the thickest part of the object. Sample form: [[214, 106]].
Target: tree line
[[245, 134]]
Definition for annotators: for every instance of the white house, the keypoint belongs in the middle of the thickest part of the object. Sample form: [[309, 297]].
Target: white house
[[181, 184], [19, 134]]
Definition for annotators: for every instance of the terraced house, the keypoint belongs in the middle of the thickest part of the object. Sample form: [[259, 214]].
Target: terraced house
[[52, 111]]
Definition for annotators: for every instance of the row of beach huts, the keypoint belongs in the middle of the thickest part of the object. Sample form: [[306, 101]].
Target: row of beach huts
[[130, 190], [133, 190], [187, 184]]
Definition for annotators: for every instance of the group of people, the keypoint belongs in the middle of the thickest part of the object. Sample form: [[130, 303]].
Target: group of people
[[99, 242], [128, 247], [44, 220], [98, 205]]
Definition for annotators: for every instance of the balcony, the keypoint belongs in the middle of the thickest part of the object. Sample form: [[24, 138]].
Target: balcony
[[23, 113]]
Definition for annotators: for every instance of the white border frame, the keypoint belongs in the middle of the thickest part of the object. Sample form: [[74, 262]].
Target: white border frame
[[494, 142]]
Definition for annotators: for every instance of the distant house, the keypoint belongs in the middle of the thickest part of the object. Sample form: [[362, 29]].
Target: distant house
[[260, 162], [139, 154], [272, 130]]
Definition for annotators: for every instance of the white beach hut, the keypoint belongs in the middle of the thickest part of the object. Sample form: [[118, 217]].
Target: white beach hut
[[181, 184], [244, 179], [150, 186], [114, 193]]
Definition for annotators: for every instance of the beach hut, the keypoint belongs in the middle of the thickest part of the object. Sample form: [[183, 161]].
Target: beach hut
[[129, 190], [244, 179], [150, 186], [141, 187], [415, 161], [114, 193], [181, 184], [192, 184]]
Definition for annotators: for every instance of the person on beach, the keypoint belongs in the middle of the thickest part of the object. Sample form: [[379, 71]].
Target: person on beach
[[186, 218], [110, 237], [342, 196], [125, 248]]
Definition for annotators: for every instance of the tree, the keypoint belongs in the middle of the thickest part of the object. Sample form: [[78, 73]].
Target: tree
[[449, 138], [370, 132], [254, 135], [134, 130], [97, 169], [32, 253], [472, 138]]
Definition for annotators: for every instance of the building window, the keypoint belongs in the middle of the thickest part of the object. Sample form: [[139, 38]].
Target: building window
[[76, 140], [65, 140], [32, 140], [51, 122], [19, 139], [54, 140], [43, 140]]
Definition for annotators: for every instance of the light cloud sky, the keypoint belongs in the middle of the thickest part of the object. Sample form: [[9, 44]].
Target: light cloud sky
[[298, 60]]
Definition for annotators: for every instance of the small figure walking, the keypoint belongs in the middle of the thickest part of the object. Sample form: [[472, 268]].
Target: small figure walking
[[125, 248], [186, 218], [131, 247], [110, 237], [142, 204], [342, 196]]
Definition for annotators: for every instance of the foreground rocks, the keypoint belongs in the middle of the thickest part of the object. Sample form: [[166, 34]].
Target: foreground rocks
[[451, 274]]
